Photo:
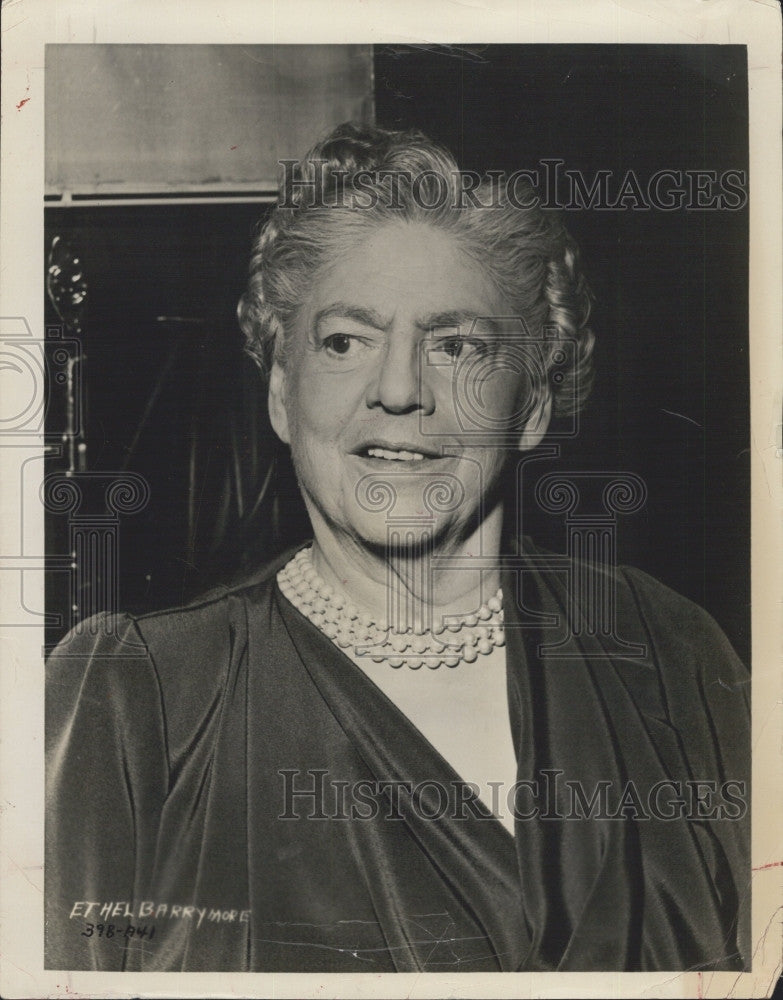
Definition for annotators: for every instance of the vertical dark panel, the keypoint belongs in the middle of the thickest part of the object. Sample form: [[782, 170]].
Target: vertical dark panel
[[671, 315], [171, 397]]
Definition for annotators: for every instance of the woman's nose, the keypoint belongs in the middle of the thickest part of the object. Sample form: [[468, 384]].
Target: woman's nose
[[399, 384]]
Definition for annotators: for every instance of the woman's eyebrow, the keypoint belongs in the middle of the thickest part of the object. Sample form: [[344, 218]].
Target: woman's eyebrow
[[459, 318], [344, 310], [432, 321]]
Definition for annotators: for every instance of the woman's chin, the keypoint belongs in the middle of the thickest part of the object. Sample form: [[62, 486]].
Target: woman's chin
[[407, 532]]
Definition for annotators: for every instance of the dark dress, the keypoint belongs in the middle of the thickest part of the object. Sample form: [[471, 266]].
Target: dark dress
[[224, 774]]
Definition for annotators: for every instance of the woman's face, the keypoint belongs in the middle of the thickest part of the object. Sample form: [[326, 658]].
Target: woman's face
[[398, 395]]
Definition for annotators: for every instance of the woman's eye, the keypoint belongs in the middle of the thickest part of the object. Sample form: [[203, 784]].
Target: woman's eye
[[338, 343], [457, 347], [346, 347], [453, 347]]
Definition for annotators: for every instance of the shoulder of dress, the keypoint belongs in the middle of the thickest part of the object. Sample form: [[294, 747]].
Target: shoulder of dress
[[111, 635], [251, 589], [184, 636], [180, 659], [204, 630], [659, 604], [634, 583], [650, 611], [686, 638]]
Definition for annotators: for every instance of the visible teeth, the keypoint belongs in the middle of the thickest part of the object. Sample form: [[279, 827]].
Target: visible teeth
[[395, 456]]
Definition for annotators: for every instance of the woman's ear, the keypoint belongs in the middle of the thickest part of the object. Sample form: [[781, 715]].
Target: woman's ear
[[538, 422], [278, 414]]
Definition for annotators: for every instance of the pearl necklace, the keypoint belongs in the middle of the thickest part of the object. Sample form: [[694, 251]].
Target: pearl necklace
[[343, 623]]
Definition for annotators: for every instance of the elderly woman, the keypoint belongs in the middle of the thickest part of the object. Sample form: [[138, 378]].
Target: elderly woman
[[368, 758]]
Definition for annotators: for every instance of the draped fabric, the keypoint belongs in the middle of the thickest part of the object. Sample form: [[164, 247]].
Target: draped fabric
[[235, 781]]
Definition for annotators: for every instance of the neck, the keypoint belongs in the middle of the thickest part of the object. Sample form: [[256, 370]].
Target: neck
[[402, 584]]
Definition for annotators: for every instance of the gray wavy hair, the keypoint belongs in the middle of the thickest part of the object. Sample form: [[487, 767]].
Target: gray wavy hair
[[360, 177]]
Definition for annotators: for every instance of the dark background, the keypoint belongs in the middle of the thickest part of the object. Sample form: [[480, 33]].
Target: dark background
[[168, 393]]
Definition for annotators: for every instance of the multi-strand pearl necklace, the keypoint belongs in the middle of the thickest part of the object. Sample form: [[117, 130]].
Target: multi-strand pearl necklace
[[342, 622]]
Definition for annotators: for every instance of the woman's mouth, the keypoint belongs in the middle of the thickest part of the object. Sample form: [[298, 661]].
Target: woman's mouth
[[392, 455], [397, 451]]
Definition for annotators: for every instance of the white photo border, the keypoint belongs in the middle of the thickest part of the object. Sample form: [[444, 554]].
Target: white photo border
[[28, 26]]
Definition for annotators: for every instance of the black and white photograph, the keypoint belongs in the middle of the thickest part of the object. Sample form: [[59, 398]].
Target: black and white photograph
[[396, 589]]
